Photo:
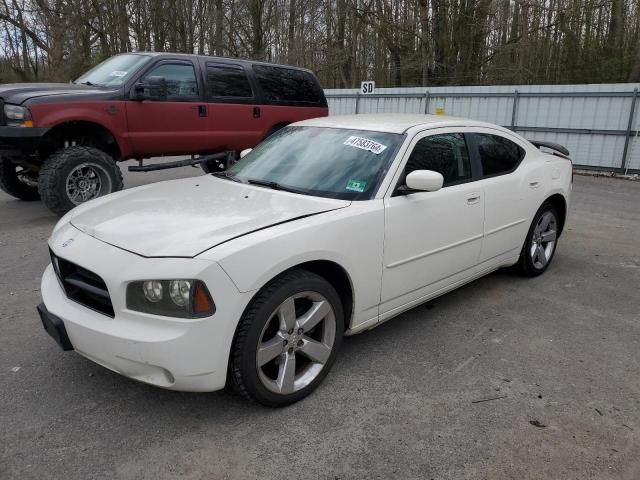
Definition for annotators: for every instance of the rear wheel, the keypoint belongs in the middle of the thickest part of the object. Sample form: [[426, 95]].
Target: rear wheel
[[75, 175], [287, 339], [541, 241], [18, 181]]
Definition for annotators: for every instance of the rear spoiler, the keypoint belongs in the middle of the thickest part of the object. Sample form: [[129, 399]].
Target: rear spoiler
[[558, 149]]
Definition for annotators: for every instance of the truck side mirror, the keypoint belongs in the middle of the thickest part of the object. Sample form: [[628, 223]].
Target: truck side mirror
[[154, 88]]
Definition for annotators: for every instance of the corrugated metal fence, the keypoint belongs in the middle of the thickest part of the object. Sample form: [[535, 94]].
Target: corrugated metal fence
[[599, 124]]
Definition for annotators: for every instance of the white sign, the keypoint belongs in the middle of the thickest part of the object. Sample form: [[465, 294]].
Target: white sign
[[368, 87], [365, 144]]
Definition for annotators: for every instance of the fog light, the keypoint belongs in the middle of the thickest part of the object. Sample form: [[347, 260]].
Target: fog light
[[152, 290], [180, 292]]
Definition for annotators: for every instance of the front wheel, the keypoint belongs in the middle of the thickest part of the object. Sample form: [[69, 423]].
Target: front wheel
[[75, 175], [18, 181], [287, 339], [541, 241]]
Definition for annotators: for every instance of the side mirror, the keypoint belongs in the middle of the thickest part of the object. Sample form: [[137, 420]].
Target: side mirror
[[155, 88], [424, 180], [244, 152]]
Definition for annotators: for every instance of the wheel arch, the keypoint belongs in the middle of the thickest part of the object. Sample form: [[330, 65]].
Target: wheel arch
[[81, 132], [332, 272], [560, 204]]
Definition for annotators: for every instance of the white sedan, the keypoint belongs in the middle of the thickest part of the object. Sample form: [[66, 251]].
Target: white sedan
[[330, 227]]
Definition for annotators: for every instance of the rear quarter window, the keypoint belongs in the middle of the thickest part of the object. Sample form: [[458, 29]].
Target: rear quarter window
[[498, 154], [288, 86]]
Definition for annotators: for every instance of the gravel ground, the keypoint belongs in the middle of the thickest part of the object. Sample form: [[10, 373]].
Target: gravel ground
[[557, 359]]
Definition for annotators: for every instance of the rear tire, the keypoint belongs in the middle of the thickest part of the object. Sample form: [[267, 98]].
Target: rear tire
[[17, 181], [75, 175], [287, 339], [213, 166], [540, 243]]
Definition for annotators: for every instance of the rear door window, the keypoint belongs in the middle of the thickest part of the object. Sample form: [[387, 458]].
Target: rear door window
[[498, 154], [286, 85], [227, 81]]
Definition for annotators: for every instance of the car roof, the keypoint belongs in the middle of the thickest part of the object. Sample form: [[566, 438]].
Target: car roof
[[392, 122], [215, 57]]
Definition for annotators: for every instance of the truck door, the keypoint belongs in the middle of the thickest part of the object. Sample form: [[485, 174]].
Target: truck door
[[235, 118], [177, 125]]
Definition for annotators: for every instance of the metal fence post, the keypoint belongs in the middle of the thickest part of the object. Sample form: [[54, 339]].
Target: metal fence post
[[357, 101], [514, 110], [426, 102], [627, 138]]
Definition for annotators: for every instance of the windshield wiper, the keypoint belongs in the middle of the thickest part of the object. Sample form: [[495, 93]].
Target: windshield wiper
[[272, 185], [227, 175]]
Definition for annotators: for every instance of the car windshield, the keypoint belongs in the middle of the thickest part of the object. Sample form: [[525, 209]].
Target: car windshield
[[325, 162], [114, 71]]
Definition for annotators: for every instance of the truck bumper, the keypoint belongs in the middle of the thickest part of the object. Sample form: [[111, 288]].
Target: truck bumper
[[14, 140]]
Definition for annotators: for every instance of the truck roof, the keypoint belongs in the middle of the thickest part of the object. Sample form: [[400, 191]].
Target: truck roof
[[216, 57]]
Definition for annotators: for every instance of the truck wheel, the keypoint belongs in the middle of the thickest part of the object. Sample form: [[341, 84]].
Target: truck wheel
[[213, 166], [75, 175], [17, 181]]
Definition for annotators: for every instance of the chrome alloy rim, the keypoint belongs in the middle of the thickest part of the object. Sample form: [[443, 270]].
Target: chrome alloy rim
[[86, 182], [543, 240], [296, 343]]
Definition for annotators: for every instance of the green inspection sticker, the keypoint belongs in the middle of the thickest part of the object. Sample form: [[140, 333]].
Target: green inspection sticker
[[356, 185]]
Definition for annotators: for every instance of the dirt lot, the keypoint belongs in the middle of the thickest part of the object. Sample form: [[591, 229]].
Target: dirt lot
[[561, 351]]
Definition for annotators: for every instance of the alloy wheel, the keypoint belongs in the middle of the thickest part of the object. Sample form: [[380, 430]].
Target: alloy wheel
[[86, 182], [296, 343], [543, 240]]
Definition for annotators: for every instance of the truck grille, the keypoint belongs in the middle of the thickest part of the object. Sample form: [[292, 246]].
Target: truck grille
[[83, 286]]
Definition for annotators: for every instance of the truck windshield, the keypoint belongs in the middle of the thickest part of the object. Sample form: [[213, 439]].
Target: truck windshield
[[114, 71], [325, 162]]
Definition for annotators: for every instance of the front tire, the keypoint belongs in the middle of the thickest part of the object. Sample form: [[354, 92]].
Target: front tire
[[75, 175], [287, 339], [541, 242], [18, 181]]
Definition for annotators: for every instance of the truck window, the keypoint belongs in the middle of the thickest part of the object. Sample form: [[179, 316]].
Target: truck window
[[227, 81], [286, 85]]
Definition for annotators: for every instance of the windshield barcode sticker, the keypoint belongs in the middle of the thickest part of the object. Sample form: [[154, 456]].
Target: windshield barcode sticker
[[365, 144], [118, 73]]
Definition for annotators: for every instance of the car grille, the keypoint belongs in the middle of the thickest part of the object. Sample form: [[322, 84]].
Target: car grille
[[83, 286]]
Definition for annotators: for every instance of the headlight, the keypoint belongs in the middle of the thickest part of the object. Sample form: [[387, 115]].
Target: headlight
[[170, 298], [17, 116]]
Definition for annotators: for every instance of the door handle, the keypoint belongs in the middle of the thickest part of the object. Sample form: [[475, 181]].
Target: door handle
[[473, 198], [534, 184], [256, 112], [202, 110]]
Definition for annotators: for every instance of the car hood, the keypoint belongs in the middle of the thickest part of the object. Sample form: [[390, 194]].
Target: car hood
[[183, 218], [17, 93]]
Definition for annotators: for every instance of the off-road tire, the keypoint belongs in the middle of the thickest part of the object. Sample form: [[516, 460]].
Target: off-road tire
[[525, 265], [212, 166], [11, 183], [56, 168], [243, 373]]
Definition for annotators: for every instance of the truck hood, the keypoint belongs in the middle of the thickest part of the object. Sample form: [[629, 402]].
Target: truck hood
[[18, 93], [183, 218]]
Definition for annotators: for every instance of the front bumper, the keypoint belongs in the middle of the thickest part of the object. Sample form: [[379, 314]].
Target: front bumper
[[20, 140], [173, 353]]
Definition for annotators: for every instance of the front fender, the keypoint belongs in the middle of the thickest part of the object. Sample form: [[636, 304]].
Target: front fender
[[351, 237]]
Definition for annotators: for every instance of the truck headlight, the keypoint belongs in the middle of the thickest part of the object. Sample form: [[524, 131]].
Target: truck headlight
[[17, 116], [170, 298]]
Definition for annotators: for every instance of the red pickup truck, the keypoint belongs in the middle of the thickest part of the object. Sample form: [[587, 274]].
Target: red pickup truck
[[61, 142]]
